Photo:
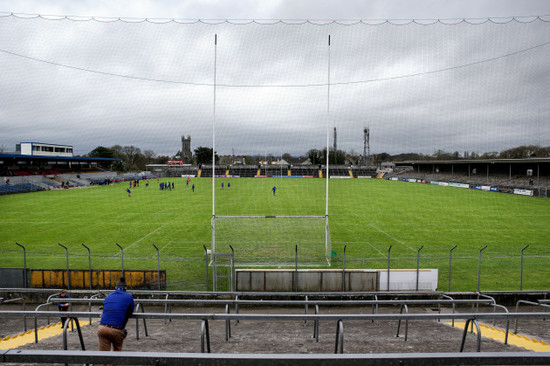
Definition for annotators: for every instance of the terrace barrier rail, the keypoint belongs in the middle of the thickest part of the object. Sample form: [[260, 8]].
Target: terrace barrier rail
[[339, 320], [199, 359]]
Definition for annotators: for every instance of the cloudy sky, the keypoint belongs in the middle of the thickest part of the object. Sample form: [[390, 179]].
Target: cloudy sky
[[273, 87]]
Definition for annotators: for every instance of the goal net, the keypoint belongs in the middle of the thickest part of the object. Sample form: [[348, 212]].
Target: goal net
[[274, 240]]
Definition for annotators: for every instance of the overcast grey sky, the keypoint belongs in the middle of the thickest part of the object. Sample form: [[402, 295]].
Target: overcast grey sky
[[418, 88]]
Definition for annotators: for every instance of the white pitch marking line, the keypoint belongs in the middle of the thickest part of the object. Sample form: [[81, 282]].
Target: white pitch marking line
[[161, 249], [375, 248], [137, 241], [391, 237]]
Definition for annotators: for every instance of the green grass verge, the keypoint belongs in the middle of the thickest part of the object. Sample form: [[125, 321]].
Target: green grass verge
[[365, 215]]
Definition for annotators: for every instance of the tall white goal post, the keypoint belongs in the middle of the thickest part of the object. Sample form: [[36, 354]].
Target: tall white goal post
[[272, 240]]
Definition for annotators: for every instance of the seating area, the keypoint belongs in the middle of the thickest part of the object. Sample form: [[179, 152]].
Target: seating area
[[19, 188], [339, 171], [493, 180], [27, 172], [250, 171], [305, 170], [505, 184], [363, 171], [51, 183], [245, 171], [206, 171]]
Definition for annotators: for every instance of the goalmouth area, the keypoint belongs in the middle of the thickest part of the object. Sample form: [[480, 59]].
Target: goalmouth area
[[273, 240]]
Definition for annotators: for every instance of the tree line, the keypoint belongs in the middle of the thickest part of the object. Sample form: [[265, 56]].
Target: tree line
[[134, 159]]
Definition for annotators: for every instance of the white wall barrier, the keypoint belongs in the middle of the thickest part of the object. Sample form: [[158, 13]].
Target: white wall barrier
[[405, 279], [330, 280]]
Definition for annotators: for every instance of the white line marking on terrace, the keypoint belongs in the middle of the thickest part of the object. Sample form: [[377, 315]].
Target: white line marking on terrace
[[137, 241], [391, 237]]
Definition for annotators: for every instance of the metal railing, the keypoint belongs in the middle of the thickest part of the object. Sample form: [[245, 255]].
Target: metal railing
[[470, 318], [298, 359], [237, 303]]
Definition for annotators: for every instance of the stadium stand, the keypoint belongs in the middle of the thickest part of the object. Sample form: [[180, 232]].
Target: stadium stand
[[304, 170], [274, 170], [338, 171], [364, 171], [245, 171], [51, 183], [494, 180], [19, 188], [207, 171]]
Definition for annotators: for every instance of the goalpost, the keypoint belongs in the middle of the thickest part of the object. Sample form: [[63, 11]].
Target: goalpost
[[273, 240]]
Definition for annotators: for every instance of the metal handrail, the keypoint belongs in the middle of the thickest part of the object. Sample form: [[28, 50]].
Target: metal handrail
[[227, 324], [205, 339], [465, 332], [23, 356], [316, 325], [36, 321], [65, 326], [205, 336], [528, 303], [139, 306], [439, 307], [166, 308], [306, 302], [282, 317], [403, 306], [339, 347]]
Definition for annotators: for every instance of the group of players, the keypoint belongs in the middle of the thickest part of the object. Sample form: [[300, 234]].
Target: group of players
[[169, 186], [163, 186]]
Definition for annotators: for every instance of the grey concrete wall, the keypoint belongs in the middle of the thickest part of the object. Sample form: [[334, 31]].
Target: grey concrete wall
[[308, 280], [13, 278]]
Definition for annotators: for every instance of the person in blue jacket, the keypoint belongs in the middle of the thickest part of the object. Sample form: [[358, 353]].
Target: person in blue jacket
[[118, 307], [63, 306]]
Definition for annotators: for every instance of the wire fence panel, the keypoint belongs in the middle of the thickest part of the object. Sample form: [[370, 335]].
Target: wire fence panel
[[497, 272]]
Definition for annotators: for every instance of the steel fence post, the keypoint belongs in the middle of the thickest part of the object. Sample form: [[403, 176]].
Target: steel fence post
[[296, 269], [388, 279], [89, 264], [24, 264], [25, 281], [450, 256], [206, 259], [418, 265], [121, 257], [344, 270], [158, 266], [479, 267], [67, 259], [521, 269], [233, 276]]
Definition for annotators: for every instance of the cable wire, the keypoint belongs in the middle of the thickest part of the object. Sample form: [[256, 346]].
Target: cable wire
[[105, 73]]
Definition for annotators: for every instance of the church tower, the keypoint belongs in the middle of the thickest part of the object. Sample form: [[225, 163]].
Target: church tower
[[186, 154]]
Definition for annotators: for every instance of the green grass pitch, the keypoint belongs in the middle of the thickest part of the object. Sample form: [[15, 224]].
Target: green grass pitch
[[365, 215]]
